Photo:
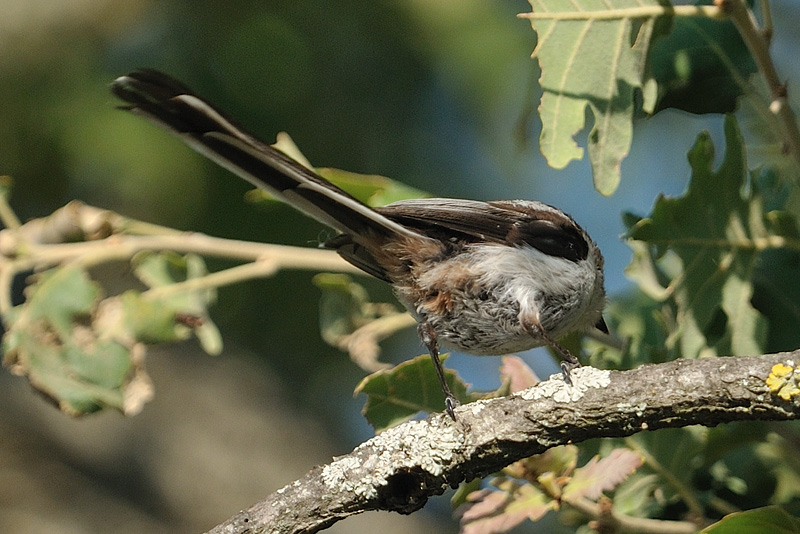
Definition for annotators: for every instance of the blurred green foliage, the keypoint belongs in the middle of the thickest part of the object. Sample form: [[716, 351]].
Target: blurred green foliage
[[425, 92], [354, 83]]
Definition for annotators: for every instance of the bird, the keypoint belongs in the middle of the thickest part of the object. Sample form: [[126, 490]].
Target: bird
[[483, 278]]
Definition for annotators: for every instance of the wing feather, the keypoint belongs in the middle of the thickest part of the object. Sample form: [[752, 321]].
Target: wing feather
[[512, 222]]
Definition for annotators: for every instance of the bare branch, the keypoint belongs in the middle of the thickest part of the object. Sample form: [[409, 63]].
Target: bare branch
[[401, 468], [712, 12], [91, 236], [78, 232]]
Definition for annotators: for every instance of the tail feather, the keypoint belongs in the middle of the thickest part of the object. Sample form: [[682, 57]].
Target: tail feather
[[173, 106]]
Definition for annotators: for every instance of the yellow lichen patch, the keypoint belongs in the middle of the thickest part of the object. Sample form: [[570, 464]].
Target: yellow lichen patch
[[783, 381]]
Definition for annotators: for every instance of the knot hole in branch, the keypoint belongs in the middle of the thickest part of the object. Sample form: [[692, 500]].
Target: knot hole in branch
[[405, 492]]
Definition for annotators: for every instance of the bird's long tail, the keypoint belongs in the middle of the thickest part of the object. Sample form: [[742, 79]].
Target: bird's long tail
[[171, 105]]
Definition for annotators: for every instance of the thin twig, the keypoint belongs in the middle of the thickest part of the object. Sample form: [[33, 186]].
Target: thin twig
[[766, 21], [629, 524], [758, 45], [362, 344], [639, 12], [116, 248], [28, 246], [7, 215], [7, 274], [234, 275]]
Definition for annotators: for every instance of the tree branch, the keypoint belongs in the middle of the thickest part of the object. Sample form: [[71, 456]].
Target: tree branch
[[91, 236], [757, 41], [402, 467]]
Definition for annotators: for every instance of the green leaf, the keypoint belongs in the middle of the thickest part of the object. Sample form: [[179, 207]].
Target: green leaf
[[635, 496], [148, 320], [86, 352], [772, 519], [640, 320], [60, 297], [716, 230], [343, 306], [723, 478], [678, 451], [702, 66], [105, 362], [162, 269], [52, 339], [766, 146], [596, 62], [372, 189], [725, 439], [777, 296], [350, 321], [397, 394]]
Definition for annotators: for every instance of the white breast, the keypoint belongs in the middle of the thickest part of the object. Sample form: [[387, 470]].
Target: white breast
[[493, 285]]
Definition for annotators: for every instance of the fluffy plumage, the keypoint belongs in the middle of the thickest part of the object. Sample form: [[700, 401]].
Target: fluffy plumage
[[481, 277]]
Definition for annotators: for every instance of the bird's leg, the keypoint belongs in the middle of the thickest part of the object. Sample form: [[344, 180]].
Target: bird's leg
[[569, 361], [428, 337]]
